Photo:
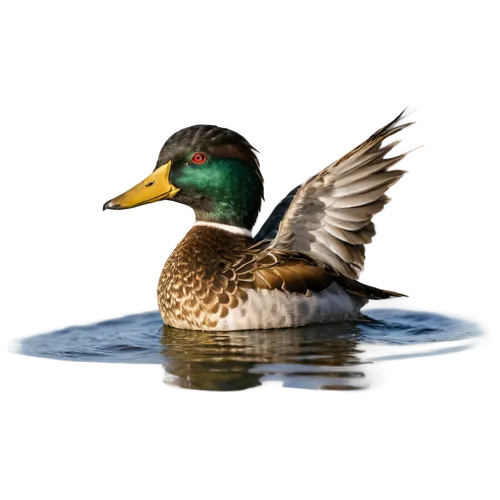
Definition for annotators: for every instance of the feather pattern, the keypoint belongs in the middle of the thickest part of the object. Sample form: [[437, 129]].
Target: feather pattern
[[330, 215]]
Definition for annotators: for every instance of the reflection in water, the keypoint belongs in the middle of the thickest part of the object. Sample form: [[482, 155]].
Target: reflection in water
[[313, 357]]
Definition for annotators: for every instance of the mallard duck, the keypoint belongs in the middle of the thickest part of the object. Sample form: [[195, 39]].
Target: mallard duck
[[300, 268]]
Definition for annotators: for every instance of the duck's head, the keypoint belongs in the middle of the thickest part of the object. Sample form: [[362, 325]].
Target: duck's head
[[211, 169]]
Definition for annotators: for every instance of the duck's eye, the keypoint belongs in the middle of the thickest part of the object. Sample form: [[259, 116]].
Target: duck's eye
[[199, 158]]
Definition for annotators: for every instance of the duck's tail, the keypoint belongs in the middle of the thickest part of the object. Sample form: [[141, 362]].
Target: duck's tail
[[361, 293]]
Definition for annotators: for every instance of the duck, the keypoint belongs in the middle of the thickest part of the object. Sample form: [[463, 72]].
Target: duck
[[303, 265]]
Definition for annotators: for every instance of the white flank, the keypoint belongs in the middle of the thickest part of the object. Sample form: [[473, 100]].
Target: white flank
[[268, 309]]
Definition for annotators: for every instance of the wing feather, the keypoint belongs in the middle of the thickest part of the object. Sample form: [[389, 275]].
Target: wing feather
[[330, 215]]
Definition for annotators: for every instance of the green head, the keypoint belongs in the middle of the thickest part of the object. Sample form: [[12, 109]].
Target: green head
[[211, 169]]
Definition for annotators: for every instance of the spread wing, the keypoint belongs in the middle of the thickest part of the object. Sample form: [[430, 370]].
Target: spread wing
[[330, 215]]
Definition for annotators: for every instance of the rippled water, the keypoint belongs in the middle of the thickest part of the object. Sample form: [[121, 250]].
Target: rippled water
[[315, 357]]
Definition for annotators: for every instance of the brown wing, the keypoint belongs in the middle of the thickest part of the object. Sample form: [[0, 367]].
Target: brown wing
[[265, 268]]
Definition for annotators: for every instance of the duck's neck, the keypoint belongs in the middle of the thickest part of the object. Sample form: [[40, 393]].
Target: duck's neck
[[232, 210]]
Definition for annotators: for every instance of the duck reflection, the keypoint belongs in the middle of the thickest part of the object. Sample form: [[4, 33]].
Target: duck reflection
[[311, 357]]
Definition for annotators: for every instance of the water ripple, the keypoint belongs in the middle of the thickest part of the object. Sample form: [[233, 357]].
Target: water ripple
[[340, 357]]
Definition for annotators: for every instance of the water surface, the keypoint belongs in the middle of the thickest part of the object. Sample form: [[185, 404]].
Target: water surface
[[333, 356]]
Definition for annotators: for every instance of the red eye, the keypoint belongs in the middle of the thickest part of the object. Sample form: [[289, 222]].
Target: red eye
[[199, 158]]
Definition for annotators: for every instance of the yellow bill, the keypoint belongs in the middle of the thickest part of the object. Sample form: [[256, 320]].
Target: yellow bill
[[153, 188]]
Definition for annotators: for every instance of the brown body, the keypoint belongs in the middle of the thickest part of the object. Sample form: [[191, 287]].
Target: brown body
[[212, 272]]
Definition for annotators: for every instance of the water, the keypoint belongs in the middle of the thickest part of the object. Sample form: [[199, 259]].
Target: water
[[331, 356]]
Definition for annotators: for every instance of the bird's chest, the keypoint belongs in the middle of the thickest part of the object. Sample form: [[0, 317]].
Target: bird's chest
[[193, 290], [184, 289]]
